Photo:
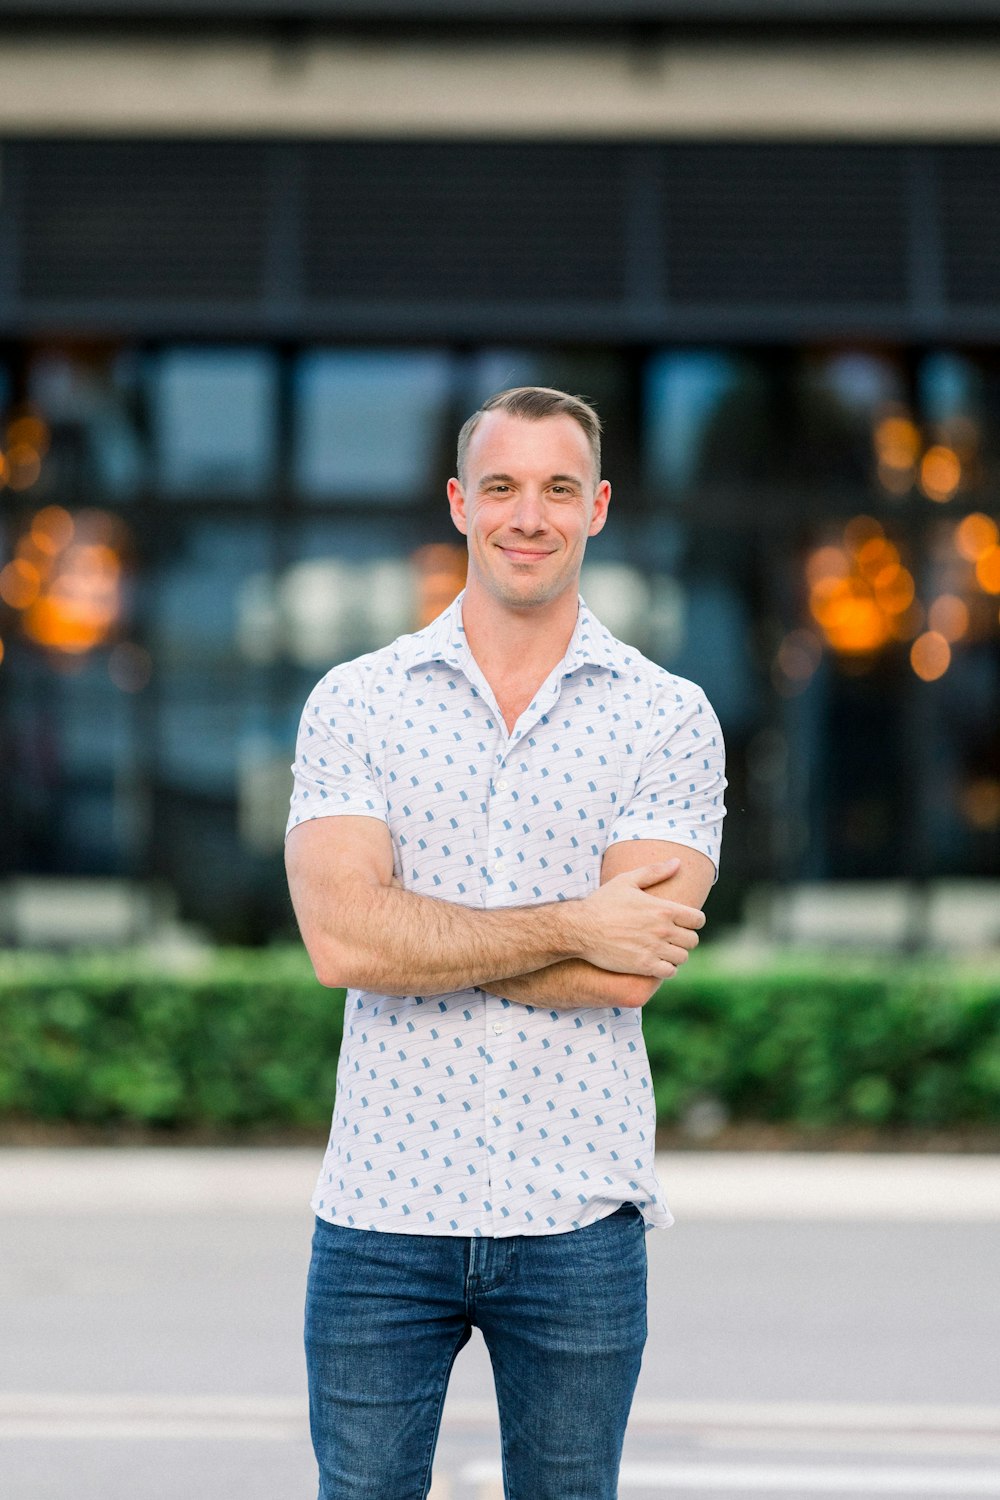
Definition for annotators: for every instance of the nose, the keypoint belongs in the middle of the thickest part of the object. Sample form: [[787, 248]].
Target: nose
[[529, 512]]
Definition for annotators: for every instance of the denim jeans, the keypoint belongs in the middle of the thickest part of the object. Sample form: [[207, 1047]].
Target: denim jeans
[[563, 1317]]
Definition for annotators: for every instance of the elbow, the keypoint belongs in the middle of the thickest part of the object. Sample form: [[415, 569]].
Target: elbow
[[333, 966], [637, 990]]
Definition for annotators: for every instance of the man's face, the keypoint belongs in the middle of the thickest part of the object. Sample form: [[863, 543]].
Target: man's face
[[528, 501]]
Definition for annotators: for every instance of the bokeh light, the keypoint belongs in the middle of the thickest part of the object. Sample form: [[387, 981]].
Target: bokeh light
[[940, 473], [930, 656], [980, 802], [976, 534], [988, 571], [949, 616], [858, 590]]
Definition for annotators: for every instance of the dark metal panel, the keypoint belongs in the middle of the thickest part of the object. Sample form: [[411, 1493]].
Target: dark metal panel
[[162, 220], [464, 221], [782, 225], [970, 224]]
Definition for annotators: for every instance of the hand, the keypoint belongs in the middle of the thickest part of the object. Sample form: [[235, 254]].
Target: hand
[[626, 930]]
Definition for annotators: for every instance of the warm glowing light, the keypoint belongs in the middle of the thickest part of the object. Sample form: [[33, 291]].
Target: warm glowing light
[[31, 431], [930, 656], [894, 589], [52, 529], [897, 442], [949, 616], [24, 465], [896, 481], [980, 802], [440, 568], [4, 470], [940, 473], [20, 582], [81, 602], [976, 534], [988, 571], [875, 556], [1, 650], [827, 562], [850, 617], [861, 529]]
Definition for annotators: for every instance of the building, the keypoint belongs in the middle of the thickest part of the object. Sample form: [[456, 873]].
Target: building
[[258, 261]]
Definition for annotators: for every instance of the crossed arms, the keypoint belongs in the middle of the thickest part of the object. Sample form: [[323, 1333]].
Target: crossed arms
[[613, 947]]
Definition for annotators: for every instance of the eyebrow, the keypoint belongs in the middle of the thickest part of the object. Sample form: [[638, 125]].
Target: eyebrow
[[552, 479]]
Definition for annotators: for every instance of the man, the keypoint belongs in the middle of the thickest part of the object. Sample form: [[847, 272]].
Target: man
[[502, 832]]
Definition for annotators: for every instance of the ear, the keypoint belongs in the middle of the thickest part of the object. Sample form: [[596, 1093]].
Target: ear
[[456, 504], [599, 514]]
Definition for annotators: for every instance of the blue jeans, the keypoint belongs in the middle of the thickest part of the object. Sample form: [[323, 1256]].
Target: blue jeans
[[563, 1317]]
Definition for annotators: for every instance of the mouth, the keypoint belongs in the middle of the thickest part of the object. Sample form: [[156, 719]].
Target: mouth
[[524, 554]]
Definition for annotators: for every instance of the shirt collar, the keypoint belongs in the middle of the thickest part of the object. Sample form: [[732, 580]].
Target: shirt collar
[[591, 644]]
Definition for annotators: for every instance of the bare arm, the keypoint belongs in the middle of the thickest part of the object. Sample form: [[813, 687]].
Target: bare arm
[[362, 931], [574, 983]]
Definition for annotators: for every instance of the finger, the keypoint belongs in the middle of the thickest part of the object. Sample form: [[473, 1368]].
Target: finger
[[690, 917]]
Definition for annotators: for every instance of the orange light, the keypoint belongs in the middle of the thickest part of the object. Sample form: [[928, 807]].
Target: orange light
[[29, 430], [897, 442], [20, 582], [930, 656], [24, 466], [940, 473], [827, 562], [976, 534], [980, 802], [441, 570], [988, 571], [1, 650], [52, 529], [4, 470], [861, 529], [81, 603], [875, 556], [949, 616], [894, 589]]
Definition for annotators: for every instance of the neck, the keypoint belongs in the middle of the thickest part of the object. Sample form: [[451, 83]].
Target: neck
[[521, 644]]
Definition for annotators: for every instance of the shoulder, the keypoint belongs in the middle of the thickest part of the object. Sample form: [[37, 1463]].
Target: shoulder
[[664, 693], [363, 682]]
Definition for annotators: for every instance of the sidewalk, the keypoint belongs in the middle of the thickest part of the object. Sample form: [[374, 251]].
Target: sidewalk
[[699, 1185]]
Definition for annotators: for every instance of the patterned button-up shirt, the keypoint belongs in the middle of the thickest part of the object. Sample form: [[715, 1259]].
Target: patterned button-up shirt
[[464, 1113]]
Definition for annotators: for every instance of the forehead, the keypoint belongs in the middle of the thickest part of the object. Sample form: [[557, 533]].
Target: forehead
[[505, 444]]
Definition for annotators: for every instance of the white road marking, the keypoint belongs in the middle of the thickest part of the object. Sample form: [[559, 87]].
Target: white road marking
[[801, 1480]]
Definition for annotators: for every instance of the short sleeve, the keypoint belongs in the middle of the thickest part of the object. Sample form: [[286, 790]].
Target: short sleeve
[[332, 772], [678, 794]]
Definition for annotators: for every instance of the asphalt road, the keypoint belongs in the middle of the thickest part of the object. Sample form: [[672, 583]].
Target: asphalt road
[[818, 1326]]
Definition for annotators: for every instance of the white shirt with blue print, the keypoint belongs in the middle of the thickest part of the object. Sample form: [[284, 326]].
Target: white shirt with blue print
[[464, 1113]]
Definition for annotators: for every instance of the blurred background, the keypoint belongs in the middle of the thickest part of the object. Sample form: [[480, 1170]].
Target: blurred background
[[257, 263]]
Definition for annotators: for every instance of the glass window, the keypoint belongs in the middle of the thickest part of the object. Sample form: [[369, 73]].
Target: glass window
[[87, 401], [370, 424], [214, 421], [700, 406]]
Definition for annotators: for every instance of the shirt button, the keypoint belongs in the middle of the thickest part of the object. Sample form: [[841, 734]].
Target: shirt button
[[501, 786], [498, 1028], [499, 867]]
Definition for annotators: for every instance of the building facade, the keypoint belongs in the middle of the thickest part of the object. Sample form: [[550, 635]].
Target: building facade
[[256, 266]]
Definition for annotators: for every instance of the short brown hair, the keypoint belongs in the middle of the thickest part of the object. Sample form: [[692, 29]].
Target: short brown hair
[[533, 403]]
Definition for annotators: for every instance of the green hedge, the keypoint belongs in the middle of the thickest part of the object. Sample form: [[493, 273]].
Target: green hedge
[[249, 1039]]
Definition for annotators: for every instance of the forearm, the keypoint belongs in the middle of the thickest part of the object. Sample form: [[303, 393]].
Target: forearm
[[382, 938], [574, 984]]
